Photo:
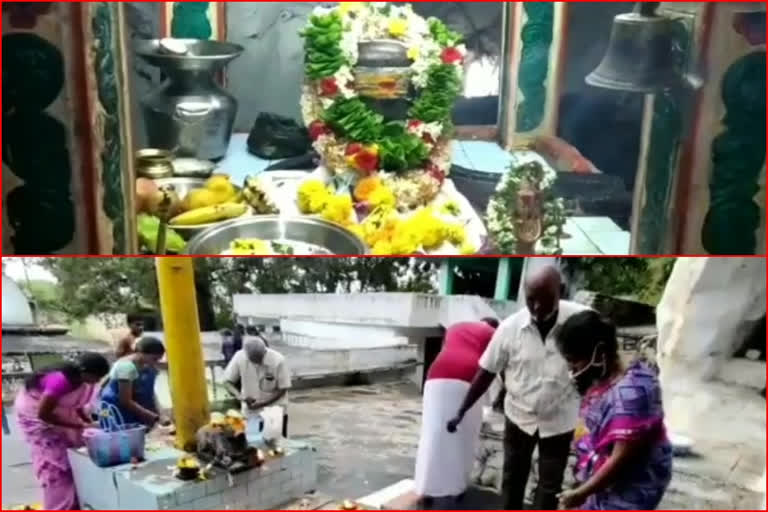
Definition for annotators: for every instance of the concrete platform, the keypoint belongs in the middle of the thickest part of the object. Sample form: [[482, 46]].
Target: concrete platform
[[151, 485]]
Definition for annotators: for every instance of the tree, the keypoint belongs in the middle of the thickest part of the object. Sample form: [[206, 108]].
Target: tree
[[641, 279], [93, 286]]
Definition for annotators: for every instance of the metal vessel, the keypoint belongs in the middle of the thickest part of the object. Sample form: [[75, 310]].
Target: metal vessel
[[382, 77], [154, 163], [301, 230], [189, 114]]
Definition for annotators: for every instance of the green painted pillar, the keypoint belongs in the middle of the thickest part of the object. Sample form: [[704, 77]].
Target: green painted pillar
[[445, 285], [503, 279]]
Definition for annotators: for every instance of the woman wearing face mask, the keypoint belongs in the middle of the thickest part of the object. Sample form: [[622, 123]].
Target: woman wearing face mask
[[624, 456]]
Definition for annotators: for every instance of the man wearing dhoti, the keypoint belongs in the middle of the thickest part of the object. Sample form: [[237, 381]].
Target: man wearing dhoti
[[444, 461], [541, 404]]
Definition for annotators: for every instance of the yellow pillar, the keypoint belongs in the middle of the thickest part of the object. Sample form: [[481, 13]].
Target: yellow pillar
[[186, 365]]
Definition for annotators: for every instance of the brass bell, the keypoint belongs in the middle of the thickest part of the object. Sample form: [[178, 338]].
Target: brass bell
[[640, 56]]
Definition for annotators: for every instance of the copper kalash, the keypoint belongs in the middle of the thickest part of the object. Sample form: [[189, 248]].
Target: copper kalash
[[223, 443]]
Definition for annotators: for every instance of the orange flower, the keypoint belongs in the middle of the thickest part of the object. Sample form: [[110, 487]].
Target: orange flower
[[365, 187]]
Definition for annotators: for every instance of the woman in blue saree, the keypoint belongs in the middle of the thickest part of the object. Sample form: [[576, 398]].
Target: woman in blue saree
[[131, 384]]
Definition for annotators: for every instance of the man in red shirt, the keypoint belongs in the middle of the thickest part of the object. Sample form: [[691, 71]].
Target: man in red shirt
[[444, 461]]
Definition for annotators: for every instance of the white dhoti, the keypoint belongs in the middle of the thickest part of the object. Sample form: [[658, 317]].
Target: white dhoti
[[444, 461]]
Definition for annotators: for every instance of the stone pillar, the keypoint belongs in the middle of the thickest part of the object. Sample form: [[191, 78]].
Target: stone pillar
[[537, 34], [701, 175], [66, 153]]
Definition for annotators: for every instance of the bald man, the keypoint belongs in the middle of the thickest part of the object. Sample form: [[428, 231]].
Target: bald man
[[541, 404], [259, 377]]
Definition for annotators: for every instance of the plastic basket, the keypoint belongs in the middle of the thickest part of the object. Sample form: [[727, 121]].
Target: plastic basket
[[115, 442]]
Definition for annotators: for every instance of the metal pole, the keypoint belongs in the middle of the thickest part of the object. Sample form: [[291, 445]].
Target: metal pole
[[186, 365]]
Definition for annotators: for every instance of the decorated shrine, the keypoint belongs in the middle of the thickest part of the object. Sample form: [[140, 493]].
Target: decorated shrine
[[384, 128]]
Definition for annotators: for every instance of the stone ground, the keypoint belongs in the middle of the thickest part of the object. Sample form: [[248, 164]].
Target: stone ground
[[366, 439]]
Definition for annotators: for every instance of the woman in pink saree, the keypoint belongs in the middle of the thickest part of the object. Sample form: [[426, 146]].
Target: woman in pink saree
[[52, 411]]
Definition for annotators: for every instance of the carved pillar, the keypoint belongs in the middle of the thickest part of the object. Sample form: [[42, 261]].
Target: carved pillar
[[701, 176], [194, 20], [64, 153], [537, 34]]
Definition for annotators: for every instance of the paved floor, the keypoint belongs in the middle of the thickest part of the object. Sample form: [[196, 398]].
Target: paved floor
[[366, 440], [19, 485]]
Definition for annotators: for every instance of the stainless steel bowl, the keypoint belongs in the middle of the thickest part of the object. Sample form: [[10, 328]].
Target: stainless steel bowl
[[183, 186], [192, 168], [305, 230]]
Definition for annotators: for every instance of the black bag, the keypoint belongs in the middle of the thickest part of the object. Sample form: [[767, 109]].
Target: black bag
[[275, 137]]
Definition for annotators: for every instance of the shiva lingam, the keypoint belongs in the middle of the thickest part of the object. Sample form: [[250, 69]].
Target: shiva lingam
[[528, 218], [382, 78], [223, 443]]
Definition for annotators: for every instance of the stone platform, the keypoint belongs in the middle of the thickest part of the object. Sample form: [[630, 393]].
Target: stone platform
[[151, 485]]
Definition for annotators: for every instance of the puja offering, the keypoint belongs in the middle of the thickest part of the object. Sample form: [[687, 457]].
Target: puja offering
[[377, 100], [381, 82], [267, 235], [222, 443]]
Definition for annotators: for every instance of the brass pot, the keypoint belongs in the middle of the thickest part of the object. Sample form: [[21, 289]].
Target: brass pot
[[154, 163]]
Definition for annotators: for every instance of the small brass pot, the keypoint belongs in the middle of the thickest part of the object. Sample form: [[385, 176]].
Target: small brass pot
[[154, 163]]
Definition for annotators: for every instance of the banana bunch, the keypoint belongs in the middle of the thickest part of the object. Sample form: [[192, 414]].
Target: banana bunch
[[210, 214], [258, 194]]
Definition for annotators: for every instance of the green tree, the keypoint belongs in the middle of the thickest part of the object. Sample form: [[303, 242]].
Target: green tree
[[641, 279], [93, 286]]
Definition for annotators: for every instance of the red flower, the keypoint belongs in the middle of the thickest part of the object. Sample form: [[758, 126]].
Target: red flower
[[451, 56], [318, 129], [329, 87], [434, 171], [353, 149], [24, 14], [414, 123], [367, 161]]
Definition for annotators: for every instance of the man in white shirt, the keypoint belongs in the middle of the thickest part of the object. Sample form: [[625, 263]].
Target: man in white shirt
[[541, 404], [258, 376]]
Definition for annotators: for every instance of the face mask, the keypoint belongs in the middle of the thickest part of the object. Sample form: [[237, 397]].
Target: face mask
[[584, 378]]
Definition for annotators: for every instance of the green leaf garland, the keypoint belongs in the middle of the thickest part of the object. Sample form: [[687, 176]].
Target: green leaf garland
[[323, 55], [353, 120]]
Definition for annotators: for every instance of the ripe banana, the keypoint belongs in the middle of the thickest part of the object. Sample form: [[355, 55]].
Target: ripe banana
[[257, 193], [209, 214]]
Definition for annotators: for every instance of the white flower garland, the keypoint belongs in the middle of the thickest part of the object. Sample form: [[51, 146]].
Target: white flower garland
[[363, 21]]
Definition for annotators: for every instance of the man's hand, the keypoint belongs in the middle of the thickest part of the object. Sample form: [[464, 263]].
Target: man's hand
[[572, 499], [453, 424]]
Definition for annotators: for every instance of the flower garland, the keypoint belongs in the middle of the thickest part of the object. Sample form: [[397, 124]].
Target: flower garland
[[412, 158], [500, 214]]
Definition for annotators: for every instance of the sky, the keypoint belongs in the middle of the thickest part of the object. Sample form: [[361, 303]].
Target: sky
[[14, 268]]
